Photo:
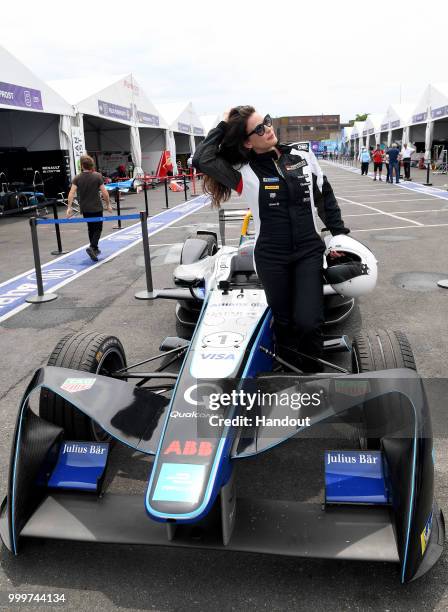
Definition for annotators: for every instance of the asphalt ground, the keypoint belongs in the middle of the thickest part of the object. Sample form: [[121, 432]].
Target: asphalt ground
[[407, 233]]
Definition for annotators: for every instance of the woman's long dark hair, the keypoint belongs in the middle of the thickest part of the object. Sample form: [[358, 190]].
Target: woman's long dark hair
[[232, 149]]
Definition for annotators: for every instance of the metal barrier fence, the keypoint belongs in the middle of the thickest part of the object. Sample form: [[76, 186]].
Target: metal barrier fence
[[150, 180], [147, 181], [345, 160], [49, 297]]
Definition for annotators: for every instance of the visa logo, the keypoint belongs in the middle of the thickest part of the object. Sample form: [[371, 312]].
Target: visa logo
[[217, 356]]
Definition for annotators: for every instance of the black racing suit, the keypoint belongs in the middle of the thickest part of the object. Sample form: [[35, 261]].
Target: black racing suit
[[288, 251]]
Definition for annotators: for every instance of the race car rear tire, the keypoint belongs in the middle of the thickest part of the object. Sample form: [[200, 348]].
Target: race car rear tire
[[191, 255], [381, 349], [88, 352], [188, 309], [374, 350]]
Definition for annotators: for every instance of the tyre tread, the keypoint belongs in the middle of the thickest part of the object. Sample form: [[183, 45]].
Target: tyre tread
[[78, 352]]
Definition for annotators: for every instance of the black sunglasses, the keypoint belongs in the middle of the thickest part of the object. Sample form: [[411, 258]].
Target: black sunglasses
[[261, 128]]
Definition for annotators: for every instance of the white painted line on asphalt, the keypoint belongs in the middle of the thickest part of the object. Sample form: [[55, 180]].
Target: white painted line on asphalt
[[394, 201], [381, 211], [383, 189], [398, 212], [216, 225], [381, 229], [413, 186], [157, 244]]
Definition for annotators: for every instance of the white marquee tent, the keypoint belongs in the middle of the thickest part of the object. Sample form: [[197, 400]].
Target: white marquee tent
[[430, 117], [33, 116], [115, 115], [185, 128], [395, 122], [356, 136], [372, 129]]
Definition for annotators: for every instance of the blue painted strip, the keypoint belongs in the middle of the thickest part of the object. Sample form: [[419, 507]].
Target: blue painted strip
[[84, 220], [65, 269]]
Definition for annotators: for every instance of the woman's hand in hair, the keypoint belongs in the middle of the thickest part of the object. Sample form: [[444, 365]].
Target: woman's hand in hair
[[225, 116]]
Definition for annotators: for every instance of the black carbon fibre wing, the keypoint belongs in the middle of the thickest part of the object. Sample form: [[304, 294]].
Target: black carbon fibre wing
[[133, 415]]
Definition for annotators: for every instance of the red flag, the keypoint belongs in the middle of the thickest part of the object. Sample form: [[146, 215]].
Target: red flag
[[165, 164]]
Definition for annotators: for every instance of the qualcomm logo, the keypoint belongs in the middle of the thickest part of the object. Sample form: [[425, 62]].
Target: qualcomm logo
[[54, 274]]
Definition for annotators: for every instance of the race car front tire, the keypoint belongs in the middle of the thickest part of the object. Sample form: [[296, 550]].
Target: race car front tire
[[88, 352], [374, 350]]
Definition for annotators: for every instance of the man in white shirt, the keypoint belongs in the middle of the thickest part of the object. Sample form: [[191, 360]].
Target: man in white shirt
[[406, 153]]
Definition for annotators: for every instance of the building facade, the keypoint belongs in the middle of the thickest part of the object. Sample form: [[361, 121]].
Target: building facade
[[307, 127]]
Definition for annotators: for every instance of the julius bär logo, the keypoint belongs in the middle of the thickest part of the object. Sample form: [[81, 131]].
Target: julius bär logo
[[73, 385]]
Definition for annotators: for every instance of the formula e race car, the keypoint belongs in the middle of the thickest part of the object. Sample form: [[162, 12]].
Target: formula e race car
[[125, 185], [17, 197], [346, 278], [230, 397]]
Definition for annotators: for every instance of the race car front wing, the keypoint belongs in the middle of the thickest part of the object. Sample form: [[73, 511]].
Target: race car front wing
[[409, 531]]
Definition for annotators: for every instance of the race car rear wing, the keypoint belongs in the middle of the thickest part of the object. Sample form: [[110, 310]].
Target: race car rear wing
[[243, 214]]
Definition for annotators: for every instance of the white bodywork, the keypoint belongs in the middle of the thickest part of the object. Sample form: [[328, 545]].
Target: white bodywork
[[213, 269], [225, 330]]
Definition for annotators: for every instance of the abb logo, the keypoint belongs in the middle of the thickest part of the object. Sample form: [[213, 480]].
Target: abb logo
[[190, 447]]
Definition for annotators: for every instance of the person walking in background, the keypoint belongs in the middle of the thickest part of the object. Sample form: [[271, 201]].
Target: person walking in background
[[394, 163], [364, 158], [190, 164], [87, 186], [378, 158], [406, 153], [386, 161]]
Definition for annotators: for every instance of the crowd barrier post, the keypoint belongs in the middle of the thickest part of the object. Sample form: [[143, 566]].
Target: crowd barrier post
[[41, 296], [428, 167], [185, 187], [149, 294], [60, 251], [117, 202], [166, 191], [145, 189]]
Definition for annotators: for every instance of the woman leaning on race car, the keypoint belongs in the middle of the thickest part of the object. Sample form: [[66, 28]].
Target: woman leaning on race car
[[283, 186]]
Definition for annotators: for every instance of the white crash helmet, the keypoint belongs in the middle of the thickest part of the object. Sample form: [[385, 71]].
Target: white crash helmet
[[354, 273]]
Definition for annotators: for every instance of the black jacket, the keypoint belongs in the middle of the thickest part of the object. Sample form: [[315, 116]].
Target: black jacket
[[278, 191]]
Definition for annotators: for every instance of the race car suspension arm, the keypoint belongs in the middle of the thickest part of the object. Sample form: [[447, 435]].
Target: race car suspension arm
[[145, 376], [280, 360], [317, 359], [179, 350]]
